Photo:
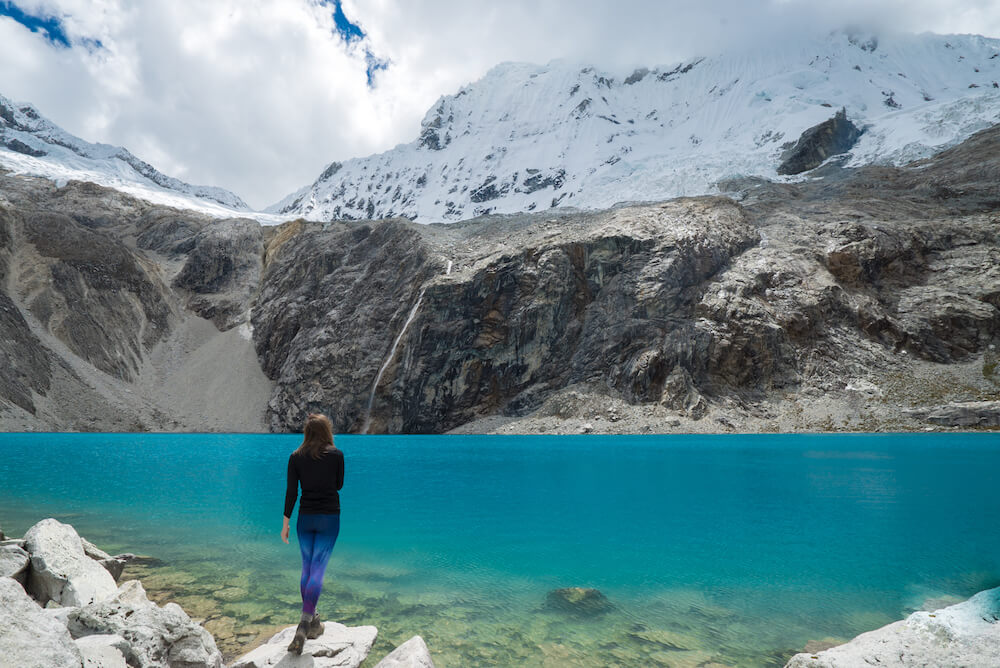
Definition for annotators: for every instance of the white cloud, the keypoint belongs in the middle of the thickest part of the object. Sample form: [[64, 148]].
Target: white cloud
[[257, 96]]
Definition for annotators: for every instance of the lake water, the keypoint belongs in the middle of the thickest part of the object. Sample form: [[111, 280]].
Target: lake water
[[731, 549]]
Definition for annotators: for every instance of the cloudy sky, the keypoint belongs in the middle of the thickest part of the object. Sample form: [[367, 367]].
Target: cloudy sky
[[259, 95]]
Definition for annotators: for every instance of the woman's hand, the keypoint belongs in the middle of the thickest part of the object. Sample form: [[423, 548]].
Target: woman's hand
[[284, 530]]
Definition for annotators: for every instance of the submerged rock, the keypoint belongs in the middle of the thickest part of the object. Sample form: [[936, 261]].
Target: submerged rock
[[578, 600], [966, 634], [339, 647], [411, 654], [60, 569], [28, 637]]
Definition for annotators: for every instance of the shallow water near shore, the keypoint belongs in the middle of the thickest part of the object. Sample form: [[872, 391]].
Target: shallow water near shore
[[711, 550]]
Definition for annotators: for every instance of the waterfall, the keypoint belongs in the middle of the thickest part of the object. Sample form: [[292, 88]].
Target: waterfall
[[388, 360]]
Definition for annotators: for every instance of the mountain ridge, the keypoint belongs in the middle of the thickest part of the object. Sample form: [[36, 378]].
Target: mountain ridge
[[528, 137], [31, 143]]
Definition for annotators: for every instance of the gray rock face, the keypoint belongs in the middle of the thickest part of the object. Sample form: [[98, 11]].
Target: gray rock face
[[85, 279], [14, 562], [223, 269], [966, 634], [339, 647], [963, 414], [28, 637], [354, 283], [155, 637], [818, 143], [25, 365], [606, 299], [60, 570], [411, 654]]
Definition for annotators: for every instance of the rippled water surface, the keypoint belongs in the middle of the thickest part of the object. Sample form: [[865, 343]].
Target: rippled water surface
[[728, 550]]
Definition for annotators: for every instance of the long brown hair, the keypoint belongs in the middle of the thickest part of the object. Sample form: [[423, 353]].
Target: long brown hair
[[317, 436]]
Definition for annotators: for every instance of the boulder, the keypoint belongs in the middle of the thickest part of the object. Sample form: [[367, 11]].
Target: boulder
[[60, 570], [28, 637], [102, 651], [154, 636], [966, 634], [14, 563], [411, 654], [114, 565], [340, 646], [578, 600]]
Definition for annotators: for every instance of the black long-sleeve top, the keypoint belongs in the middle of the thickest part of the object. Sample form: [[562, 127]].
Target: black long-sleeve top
[[320, 480]]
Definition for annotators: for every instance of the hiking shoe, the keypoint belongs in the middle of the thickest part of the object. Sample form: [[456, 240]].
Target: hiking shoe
[[315, 628], [299, 641]]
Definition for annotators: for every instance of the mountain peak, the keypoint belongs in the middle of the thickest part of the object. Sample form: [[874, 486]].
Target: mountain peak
[[530, 137]]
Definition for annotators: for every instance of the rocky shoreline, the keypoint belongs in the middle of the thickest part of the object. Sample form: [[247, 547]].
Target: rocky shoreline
[[61, 606]]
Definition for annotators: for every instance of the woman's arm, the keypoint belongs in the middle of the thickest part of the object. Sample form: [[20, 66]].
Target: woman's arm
[[291, 494], [340, 471]]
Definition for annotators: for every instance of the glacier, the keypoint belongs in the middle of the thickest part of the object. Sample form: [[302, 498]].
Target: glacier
[[528, 137], [32, 144]]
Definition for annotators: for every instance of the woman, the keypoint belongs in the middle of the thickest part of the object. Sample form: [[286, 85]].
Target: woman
[[318, 466]]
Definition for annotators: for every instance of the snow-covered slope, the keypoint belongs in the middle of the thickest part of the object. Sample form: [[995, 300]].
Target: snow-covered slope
[[32, 144], [529, 137]]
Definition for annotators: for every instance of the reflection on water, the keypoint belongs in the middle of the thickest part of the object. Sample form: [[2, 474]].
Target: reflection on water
[[711, 550]]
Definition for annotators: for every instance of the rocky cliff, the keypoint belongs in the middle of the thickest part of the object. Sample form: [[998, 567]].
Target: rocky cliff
[[99, 312], [862, 300]]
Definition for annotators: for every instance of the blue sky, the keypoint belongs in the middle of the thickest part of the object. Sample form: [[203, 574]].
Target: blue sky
[[259, 95], [352, 33], [49, 27]]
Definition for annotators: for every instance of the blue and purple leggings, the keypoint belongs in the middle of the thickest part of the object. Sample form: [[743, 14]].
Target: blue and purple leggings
[[317, 536]]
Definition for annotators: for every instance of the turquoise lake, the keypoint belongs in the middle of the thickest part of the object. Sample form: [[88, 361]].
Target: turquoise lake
[[732, 549]]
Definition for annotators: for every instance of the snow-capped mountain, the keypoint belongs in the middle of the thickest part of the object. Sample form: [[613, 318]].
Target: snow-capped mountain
[[32, 144], [528, 137]]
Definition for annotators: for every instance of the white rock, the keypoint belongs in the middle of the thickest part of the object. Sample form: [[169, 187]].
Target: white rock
[[339, 647], [60, 613], [966, 634], [60, 570], [155, 637], [411, 654], [102, 651], [29, 638], [14, 563], [92, 551], [113, 564], [131, 592]]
